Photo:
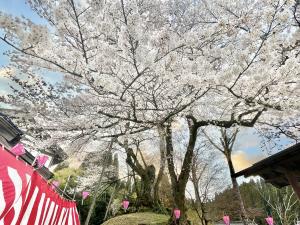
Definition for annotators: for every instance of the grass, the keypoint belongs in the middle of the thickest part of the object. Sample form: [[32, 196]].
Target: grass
[[146, 218], [193, 216]]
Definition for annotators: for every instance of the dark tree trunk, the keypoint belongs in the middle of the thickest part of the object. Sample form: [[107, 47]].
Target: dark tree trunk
[[147, 175], [179, 183], [148, 195], [147, 184], [178, 192]]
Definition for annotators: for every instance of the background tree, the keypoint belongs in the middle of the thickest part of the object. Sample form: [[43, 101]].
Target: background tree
[[207, 177], [282, 204], [227, 141], [96, 178], [261, 199]]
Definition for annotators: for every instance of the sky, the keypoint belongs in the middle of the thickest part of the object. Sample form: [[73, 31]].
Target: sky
[[247, 151], [15, 8], [18, 8]]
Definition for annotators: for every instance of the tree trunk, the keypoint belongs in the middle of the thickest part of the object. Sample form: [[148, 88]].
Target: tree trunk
[[179, 203], [147, 185], [162, 149], [147, 175], [149, 194], [205, 221], [179, 183], [227, 142], [237, 192]]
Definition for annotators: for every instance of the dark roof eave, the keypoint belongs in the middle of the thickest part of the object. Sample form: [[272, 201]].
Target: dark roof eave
[[12, 135], [270, 161], [9, 131]]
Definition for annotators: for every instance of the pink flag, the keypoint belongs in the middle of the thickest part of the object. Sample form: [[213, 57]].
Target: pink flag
[[41, 160], [177, 213], [270, 220], [85, 194], [18, 149], [55, 184], [125, 204], [226, 220]]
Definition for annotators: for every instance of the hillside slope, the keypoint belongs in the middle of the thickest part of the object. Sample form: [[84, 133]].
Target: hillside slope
[[146, 218]]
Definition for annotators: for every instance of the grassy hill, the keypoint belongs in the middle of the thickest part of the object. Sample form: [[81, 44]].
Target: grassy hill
[[146, 218]]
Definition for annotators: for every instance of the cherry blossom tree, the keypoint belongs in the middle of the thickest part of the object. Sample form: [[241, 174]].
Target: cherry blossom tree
[[168, 68], [131, 66]]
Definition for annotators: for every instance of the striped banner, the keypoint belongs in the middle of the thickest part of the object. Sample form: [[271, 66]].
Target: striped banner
[[27, 199]]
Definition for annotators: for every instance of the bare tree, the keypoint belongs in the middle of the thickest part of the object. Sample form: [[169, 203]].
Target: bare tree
[[283, 203], [227, 141], [97, 189], [207, 178]]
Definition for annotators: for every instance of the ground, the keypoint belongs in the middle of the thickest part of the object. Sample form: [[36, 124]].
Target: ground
[[146, 218]]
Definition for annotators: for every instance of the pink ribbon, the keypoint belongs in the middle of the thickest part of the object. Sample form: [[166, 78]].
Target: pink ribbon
[[125, 204], [226, 220], [177, 213], [55, 184], [41, 160], [85, 194], [18, 149], [270, 220]]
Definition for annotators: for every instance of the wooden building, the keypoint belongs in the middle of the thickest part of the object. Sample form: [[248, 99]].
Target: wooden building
[[280, 169]]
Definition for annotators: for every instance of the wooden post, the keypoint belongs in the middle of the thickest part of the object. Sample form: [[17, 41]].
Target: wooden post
[[110, 201], [66, 185], [293, 182], [74, 194]]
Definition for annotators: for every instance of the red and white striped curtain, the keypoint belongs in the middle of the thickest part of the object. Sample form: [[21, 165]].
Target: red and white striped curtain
[[27, 199]]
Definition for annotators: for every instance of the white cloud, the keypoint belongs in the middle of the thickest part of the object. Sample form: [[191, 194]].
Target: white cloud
[[241, 160]]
